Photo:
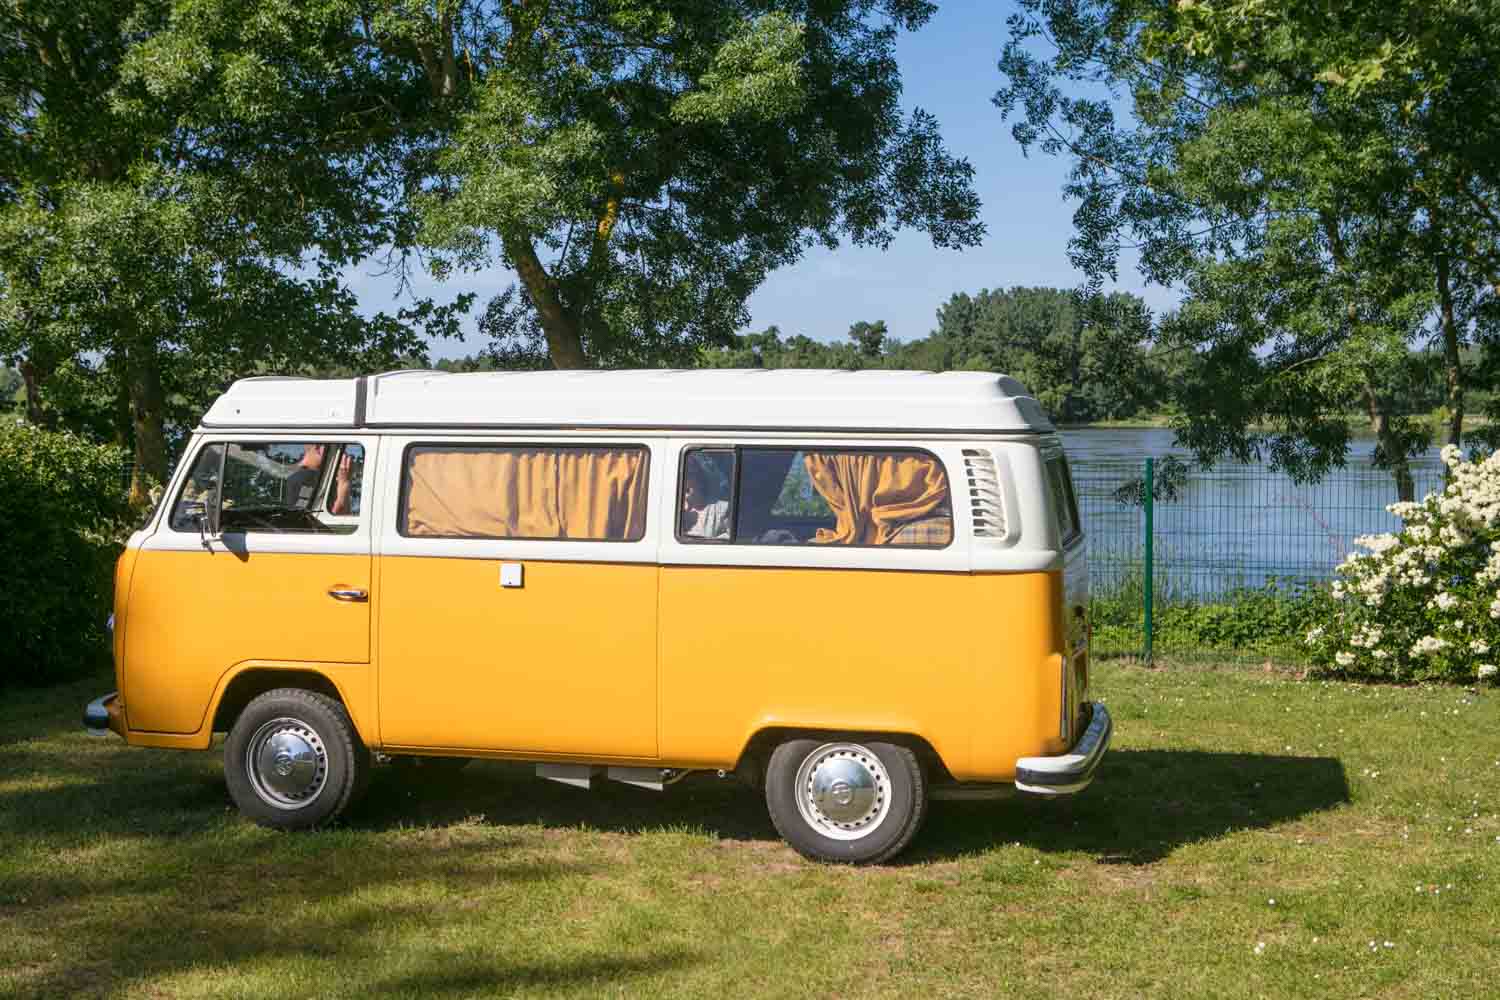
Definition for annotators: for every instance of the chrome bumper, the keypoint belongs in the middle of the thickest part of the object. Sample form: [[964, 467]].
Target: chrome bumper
[[1071, 772], [104, 714]]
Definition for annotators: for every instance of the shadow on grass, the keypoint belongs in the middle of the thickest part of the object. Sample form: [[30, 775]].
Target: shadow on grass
[[508, 794], [194, 908], [1144, 804]]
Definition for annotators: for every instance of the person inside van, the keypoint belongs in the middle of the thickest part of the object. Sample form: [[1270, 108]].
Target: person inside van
[[302, 485], [702, 516]]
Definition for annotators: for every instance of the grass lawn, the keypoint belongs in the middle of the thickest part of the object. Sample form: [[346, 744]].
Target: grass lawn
[[1250, 835]]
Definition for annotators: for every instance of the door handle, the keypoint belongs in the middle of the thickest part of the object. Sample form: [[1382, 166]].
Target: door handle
[[353, 594]]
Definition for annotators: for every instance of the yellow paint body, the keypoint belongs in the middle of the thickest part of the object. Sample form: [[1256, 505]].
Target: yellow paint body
[[967, 662], [196, 618], [600, 662], [565, 664]]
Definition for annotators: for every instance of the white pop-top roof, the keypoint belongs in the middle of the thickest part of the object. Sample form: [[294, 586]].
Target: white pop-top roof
[[756, 399]]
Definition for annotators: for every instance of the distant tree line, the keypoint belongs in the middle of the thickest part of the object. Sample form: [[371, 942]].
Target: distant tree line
[[1086, 358]]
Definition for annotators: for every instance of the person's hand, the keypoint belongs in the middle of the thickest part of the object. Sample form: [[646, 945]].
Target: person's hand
[[342, 477]]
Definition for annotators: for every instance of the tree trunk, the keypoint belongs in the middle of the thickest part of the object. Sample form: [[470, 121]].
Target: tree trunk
[[32, 378], [564, 339], [147, 403], [1390, 447], [1453, 371]]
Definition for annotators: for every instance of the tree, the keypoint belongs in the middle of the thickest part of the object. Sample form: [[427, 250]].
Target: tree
[[1084, 358], [643, 164], [178, 187], [1313, 178], [11, 386]]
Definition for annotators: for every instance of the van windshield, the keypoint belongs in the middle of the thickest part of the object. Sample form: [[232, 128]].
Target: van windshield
[[275, 487]]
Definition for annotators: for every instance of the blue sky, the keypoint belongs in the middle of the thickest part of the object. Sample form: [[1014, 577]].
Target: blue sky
[[947, 68]]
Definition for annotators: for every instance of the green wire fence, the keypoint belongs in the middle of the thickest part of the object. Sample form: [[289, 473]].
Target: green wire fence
[[1223, 561]]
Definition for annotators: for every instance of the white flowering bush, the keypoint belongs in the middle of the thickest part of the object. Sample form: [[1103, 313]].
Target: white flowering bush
[[1423, 603]]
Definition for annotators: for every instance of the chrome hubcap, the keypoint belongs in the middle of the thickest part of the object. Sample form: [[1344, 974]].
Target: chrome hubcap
[[843, 791], [287, 763]]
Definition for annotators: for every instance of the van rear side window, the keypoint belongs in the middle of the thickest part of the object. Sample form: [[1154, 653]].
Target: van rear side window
[[536, 492], [814, 496], [1064, 503]]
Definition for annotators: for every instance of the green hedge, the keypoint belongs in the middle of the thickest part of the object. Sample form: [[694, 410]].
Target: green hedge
[[1266, 622], [63, 516]]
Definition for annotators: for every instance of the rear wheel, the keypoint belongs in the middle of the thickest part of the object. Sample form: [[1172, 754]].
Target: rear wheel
[[293, 759], [846, 801]]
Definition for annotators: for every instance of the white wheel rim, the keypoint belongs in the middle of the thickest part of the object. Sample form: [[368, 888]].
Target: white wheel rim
[[843, 791], [287, 763]]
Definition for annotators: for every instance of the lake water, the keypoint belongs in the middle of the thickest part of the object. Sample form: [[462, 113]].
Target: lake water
[[1233, 526]]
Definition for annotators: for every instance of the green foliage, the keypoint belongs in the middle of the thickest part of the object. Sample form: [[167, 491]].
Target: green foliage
[[1084, 358], [798, 498], [1309, 176], [1422, 603], [65, 513], [643, 164], [869, 345], [180, 186], [11, 390], [1269, 621]]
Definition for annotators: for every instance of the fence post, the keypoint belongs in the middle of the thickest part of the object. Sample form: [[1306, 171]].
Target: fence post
[[1150, 581]]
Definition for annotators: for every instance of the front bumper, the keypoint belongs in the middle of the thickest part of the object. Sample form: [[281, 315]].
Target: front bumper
[[105, 714], [1071, 772]]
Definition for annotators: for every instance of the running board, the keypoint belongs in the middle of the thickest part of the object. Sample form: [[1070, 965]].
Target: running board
[[582, 775]]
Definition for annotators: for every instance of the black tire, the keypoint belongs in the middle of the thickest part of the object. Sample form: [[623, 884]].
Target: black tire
[[311, 736], [870, 834]]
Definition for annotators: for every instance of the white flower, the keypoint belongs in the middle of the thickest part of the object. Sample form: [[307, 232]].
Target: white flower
[[1479, 646], [1377, 543], [1314, 635], [1487, 670], [1427, 645], [1344, 659], [1444, 601]]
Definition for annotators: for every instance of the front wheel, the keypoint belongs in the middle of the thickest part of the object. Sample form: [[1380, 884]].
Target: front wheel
[[846, 801], [293, 759]]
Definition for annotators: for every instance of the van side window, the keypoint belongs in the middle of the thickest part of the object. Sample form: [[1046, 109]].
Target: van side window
[[535, 492], [274, 487], [1064, 503], [824, 496]]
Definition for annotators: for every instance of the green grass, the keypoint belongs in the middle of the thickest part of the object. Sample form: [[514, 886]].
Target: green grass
[[1368, 814]]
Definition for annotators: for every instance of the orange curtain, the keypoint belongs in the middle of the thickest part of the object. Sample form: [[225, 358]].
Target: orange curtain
[[580, 494], [872, 496]]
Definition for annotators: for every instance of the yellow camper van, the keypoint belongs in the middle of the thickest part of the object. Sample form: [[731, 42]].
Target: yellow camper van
[[854, 590]]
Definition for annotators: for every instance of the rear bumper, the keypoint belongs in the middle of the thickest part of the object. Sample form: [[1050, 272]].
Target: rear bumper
[[1071, 772], [105, 714]]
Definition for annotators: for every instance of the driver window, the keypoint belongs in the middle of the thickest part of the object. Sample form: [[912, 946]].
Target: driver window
[[274, 487]]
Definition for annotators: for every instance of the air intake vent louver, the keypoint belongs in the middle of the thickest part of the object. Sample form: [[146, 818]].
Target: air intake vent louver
[[984, 494]]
